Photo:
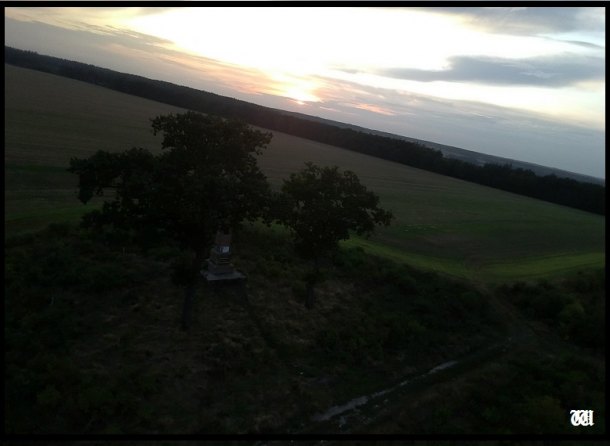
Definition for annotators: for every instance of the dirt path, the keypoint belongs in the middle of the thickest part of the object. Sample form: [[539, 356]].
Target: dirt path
[[355, 415]]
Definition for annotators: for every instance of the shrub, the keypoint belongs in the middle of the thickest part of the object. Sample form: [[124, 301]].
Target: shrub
[[589, 331], [586, 282], [270, 269], [49, 398], [99, 278], [59, 229], [182, 269], [20, 239], [543, 414], [351, 259], [164, 253], [397, 333], [299, 289], [51, 265], [546, 304]]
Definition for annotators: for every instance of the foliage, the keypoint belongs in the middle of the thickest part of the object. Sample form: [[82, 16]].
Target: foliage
[[206, 178], [321, 206], [574, 307], [117, 366], [542, 389]]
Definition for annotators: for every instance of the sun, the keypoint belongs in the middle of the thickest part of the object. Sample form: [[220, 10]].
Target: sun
[[300, 89], [300, 95]]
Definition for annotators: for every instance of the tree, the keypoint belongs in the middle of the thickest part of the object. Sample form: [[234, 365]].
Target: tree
[[205, 179], [320, 206]]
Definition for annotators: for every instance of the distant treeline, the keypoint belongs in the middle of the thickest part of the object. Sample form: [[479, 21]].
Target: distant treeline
[[565, 191]]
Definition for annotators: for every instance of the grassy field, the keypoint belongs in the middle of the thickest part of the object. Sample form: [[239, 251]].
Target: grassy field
[[48, 120], [444, 224]]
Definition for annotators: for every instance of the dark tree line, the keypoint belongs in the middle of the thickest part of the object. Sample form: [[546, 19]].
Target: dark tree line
[[568, 192]]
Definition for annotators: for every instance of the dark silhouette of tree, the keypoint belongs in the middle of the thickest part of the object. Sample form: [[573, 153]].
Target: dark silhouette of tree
[[320, 206], [206, 179]]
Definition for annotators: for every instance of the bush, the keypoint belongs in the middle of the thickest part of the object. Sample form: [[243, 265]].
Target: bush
[[299, 289], [20, 239], [398, 333], [53, 265], [352, 259], [49, 398], [400, 277], [99, 278], [471, 299], [586, 282], [543, 414], [60, 229], [270, 269], [589, 331], [182, 269], [164, 253]]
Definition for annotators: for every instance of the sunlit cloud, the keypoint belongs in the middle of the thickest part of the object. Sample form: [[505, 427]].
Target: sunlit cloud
[[482, 78], [297, 88], [543, 71], [374, 109], [79, 18]]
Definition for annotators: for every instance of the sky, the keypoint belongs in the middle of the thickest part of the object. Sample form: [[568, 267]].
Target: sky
[[526, 83]]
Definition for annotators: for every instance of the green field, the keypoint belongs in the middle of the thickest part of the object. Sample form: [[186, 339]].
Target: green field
[[445, 224]]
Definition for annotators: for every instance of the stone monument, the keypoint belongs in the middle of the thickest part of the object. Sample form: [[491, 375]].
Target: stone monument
[[219, 265]]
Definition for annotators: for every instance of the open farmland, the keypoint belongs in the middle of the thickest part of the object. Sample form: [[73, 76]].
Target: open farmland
[[442, 223]]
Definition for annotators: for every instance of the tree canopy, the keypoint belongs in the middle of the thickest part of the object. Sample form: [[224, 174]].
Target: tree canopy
[[321, 205], [206, 178]]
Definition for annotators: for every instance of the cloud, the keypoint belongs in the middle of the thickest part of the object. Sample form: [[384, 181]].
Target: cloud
[[588, 45], [374, 109], [73, 15], [129, 51], [476, 126], [482, 127], [529, 20], [50, 39], [551, 71]]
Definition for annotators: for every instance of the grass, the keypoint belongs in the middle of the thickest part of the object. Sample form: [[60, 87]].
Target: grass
[[546, 266], [93, 344], [453, 226], [97, 324], [445, 224], [542, 393], [50, 119], [447, 266]]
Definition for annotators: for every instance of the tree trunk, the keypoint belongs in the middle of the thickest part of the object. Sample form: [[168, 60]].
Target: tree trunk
[[310, 299], [187, 307], [311, 296], [189, 292]]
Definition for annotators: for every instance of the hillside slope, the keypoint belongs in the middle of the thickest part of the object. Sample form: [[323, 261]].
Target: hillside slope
[[442, 223], [585, 196]]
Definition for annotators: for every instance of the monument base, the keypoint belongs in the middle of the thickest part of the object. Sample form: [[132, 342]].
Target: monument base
[[217, 277]]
